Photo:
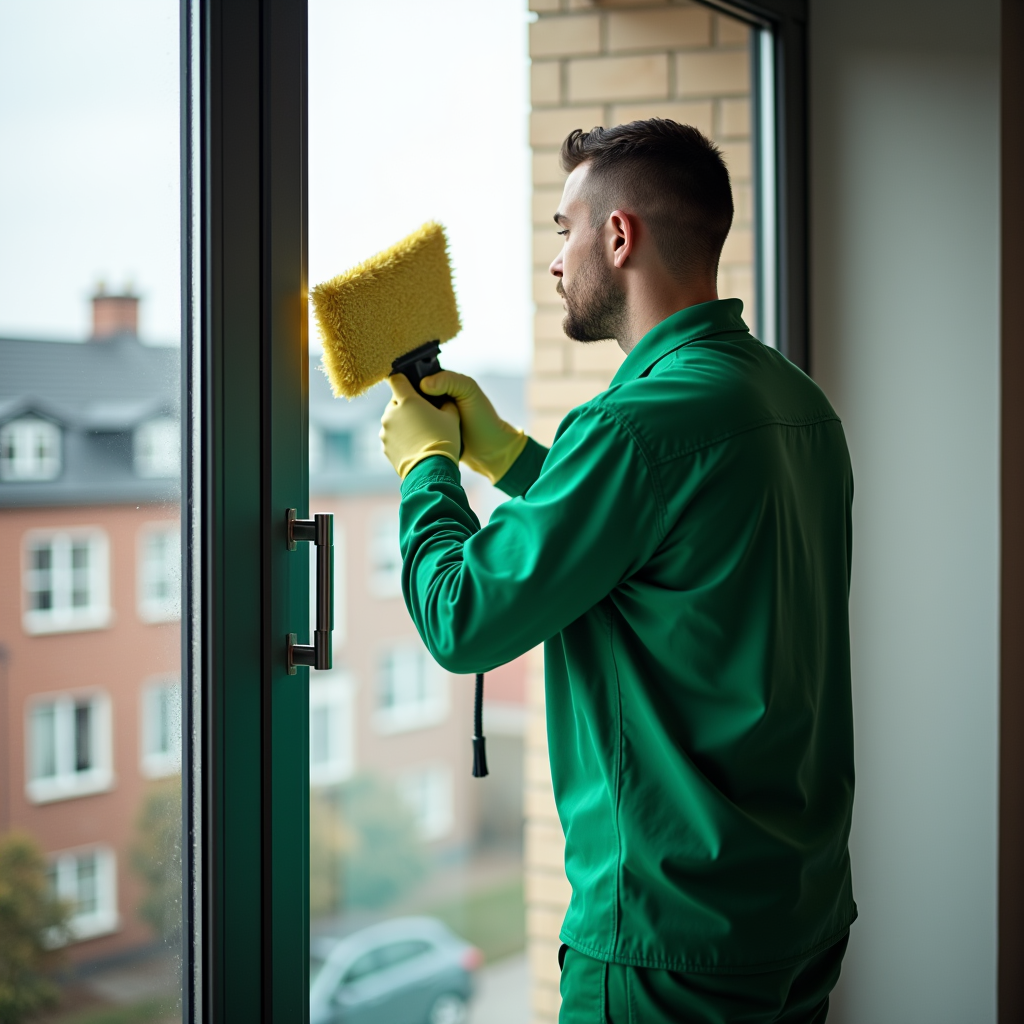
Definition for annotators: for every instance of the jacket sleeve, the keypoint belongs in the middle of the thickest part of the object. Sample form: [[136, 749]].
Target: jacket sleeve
[[481, 597]]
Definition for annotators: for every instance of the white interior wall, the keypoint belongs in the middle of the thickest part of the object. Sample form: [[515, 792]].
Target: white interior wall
[[904, 213]]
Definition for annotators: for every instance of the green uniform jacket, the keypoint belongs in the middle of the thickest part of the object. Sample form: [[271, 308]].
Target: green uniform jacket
[[683, 551]]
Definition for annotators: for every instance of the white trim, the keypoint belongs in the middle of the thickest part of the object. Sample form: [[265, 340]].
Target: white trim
[[156, 448], [428, 791], [385, 555], [28, 432], [155, 763], [104, 919], [418, 688], [332, 696], [66, 783], [62, 616], [158, 609]]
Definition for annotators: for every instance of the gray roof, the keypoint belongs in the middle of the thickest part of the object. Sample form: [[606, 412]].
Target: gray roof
[[98, 392]]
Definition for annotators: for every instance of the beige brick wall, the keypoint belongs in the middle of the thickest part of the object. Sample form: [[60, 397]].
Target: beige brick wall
[[603, 62]]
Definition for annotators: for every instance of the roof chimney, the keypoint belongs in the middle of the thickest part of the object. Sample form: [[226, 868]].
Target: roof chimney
[[113, 315]]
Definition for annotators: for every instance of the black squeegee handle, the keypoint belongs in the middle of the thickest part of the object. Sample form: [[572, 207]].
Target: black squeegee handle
[[419, 363]]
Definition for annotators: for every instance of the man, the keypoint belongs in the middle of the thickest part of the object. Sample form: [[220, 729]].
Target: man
[[683, 551]]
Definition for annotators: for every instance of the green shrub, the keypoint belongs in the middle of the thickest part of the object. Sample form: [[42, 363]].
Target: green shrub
[[32, 922]]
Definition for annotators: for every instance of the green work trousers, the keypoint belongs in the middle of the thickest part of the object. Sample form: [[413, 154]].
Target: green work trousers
[[596, 992]]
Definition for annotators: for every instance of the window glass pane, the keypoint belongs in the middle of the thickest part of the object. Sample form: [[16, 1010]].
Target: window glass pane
[[90, 354], [400, 834]]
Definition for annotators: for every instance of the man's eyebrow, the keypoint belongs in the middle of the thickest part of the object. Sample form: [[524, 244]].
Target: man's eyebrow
[[561, 218]]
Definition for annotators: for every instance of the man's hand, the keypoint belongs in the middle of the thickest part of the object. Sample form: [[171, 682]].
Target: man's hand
[[412, 429], [491, 444]]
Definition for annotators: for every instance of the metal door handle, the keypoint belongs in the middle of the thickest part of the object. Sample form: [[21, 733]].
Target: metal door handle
[[319, 531]]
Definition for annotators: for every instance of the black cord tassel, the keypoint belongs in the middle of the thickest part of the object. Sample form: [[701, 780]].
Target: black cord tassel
[[479, 743]]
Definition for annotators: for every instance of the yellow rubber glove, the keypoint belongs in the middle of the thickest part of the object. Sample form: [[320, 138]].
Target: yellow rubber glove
[[491, 444], [412, 429]]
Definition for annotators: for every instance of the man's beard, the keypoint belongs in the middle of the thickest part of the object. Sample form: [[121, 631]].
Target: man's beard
[[597, 305]]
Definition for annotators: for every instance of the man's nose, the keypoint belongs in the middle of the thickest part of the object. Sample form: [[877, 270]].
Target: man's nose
[[556, 266]]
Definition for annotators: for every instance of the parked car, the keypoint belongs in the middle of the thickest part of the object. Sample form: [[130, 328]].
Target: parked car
[[409, 970]]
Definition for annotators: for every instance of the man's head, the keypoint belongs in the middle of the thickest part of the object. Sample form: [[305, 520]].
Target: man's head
[[653, 196]]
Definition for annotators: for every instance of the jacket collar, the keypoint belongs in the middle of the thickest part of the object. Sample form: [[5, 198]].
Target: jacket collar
[[721, 316]]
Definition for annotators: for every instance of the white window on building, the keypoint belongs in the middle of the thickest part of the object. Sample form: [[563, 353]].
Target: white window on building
[[66, 581], [340, 603], [160, 734], [158, 448], [29, 449], [428, 793], [331, 728], [87, 880], [159, 572], [412, 690], [68, 746], [385, 555]]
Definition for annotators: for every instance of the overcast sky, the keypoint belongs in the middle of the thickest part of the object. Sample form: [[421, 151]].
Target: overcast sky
[[417, 111]]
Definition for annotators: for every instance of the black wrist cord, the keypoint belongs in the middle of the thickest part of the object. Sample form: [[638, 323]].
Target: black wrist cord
[[479, 743]]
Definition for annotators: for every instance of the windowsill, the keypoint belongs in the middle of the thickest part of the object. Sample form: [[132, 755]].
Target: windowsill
[[70, 787], [45, 623], [88, 926]]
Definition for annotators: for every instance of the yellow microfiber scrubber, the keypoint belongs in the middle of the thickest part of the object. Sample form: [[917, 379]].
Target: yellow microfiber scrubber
[[383, 309]]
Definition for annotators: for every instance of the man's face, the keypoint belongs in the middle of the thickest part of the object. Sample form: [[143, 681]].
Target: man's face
[[593, 300]]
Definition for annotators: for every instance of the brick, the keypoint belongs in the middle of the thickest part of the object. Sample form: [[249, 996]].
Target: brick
[[546, 246], [697, 113], [543, 957], [545, 83], [543, 426], [539, 803], [600, 358], [544, 203], [612, 79], [738, 158], [733, 118], [582, 4], [543, 923], [548, 359], [731, 31], [537, 767], [547, 888], [550, 127], [659, 30], [565, 36], [545, 1001], [545, 6], [547, 324], [545, 846], [711, 74], [546, 169], [562, 395], [743, 201], [544, 293], [739, 247], [536, 733]]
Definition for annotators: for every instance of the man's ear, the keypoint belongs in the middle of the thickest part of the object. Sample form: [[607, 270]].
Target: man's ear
[[623, 229]]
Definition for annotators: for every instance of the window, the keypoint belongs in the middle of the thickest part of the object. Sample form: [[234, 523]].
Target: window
[[66, 581], [68, 745], [331, 728], [29, 450], [385, 555], [161, 728], [412, 690], [158, 448], [428, 794], [159, 572], [87, 879]]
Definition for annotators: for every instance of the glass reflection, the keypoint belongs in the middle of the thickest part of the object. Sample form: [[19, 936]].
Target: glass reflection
[[416, 868], [90, 746]]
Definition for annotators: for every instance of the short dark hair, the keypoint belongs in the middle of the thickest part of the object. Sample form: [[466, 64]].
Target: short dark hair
[[670, 174]]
